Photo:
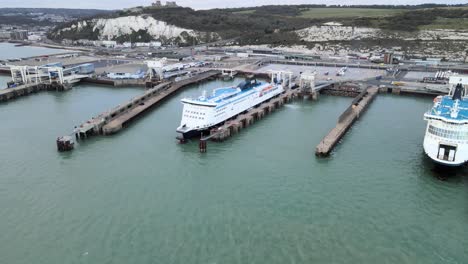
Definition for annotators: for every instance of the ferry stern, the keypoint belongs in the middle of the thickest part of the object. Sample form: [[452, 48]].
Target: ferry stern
[[446, 138]]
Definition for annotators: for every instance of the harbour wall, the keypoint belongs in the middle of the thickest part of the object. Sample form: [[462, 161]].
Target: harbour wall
[[241, 121], [345, 121], [113, 121], [23, 90]]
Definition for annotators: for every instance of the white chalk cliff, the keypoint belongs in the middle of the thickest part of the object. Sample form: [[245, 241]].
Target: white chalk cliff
[[111, 28], [344, 33]]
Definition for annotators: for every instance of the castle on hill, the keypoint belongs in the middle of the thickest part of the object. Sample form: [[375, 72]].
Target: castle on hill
[[157, 3]]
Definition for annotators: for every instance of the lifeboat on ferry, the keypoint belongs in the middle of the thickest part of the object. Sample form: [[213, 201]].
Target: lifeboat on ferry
[[438, 99]]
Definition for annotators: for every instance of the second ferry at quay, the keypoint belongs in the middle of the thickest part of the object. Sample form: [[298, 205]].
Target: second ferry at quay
[[206, 112], [446, 139]]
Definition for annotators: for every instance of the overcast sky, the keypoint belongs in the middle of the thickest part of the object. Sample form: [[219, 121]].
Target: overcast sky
[[201, 4]]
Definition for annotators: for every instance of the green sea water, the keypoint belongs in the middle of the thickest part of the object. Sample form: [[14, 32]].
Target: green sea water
[[260, 197]]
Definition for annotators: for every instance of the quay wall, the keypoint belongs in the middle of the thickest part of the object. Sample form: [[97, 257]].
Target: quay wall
[[327, 64], [23, 90], [113, 121], [236, 124], [367, 66], [339, 89], [346, 120], [98, 81], [409, 91]]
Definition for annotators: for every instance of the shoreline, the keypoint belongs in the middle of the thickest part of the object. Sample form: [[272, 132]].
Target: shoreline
[[45, 45]]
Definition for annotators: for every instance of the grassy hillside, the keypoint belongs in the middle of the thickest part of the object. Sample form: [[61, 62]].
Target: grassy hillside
[[347, 12], [277, 24], [34, 16], [447, 23], [54, 11], [429, 18], [402, 18]]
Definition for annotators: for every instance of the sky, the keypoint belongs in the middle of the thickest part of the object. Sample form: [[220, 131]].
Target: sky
[[204, 4]]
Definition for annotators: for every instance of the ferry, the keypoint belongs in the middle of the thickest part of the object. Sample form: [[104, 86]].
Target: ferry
[[205, 112], [446, 138]]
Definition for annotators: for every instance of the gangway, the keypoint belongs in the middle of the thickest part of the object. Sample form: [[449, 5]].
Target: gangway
[[228, 73], [283, 77], [156, 68], [36, 74]]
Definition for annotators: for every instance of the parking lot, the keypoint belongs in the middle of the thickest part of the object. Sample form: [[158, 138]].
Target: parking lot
[[351, 74]]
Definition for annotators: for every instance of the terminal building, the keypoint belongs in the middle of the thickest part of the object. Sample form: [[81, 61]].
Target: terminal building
[[19, 35], [14, 35]]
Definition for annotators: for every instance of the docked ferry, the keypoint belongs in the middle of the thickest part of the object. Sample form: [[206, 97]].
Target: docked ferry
[[446, 138], [205, 112]]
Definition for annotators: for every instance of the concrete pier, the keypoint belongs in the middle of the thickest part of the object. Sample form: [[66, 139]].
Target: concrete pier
[[99, 81], [113, 121], [137, 106], [23, 90], [242, 121], [325, 64], [409, 91], [345, 121]]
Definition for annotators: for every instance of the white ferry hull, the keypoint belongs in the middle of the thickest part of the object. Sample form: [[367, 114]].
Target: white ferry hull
[[444, 151], [446, 138], [431, 148], [198, 117]]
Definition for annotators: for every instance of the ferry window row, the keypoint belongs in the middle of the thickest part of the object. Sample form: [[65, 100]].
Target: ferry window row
[[190, 116], [193, 112], [450, 134]]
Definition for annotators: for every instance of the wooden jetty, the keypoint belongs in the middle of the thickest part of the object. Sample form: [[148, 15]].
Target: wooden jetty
[[113, 121], [359, 105]]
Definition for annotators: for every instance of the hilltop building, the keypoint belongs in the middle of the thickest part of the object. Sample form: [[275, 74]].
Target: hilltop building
[[157, 3], [171, 4]]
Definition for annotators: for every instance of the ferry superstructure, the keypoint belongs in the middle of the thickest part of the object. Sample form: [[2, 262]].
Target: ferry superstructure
[[206, 112], [446, 138]]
